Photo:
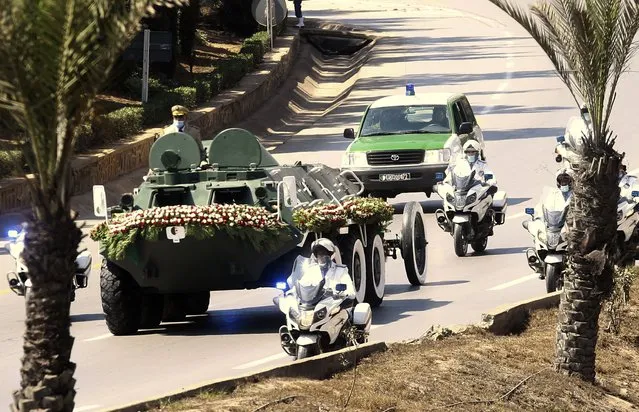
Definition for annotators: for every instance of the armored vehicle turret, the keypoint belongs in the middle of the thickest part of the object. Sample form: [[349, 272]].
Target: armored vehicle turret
[[225, 215]]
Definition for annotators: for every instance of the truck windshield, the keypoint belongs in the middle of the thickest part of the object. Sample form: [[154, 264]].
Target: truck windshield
[[406, 120]]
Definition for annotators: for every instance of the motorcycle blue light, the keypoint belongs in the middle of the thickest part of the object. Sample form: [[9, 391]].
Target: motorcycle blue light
[[439, 176], [530, 211], [12, 234], [281, 285], [635, 193], [410, 89], [560, 139]]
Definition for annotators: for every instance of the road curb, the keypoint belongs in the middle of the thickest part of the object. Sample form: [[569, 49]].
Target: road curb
[[317, 367], [506, 319]]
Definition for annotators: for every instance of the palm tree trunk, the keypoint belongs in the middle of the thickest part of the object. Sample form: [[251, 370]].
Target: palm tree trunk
[[592, 254], [51, 245]]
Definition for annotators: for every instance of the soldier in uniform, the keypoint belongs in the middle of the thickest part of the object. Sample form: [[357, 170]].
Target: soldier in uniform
[[180, 123]]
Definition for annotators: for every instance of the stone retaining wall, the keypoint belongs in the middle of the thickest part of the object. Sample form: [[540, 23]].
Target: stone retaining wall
[[103, 165]]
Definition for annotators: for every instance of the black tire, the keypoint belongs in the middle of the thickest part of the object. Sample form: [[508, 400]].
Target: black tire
[[152, 310], [553, 277], [304, 352], [198, 303], [461, 245], [354, 258], [375, 271], [121, 300], [480, 245], [414, 244]]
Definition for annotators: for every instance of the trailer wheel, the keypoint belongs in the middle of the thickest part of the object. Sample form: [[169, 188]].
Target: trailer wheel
[[375, 272], [414, 245], [121, 300], [354, 257]]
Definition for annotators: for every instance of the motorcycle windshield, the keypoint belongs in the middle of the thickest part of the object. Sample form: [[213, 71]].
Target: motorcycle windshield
[[463, 177], [310, 286], [554, 209], [555, 219]]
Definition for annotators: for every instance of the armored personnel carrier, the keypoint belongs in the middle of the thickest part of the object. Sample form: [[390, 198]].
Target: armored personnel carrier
[[225, 215]]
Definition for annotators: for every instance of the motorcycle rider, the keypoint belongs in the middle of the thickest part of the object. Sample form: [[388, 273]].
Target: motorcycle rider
[[471, 154], [322, 253]]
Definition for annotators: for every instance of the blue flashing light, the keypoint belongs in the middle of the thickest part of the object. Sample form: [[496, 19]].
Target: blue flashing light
[[410, 89], [281, 285], [635, 193], [12, 234], [488, 176], [439, 176], [560, 139], [530, 211]]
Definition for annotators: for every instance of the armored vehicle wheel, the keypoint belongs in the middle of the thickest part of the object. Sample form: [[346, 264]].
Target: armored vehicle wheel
[[121, 300], [414, 245], [354, 257], [152, 309], [375, 272], [197, 303]]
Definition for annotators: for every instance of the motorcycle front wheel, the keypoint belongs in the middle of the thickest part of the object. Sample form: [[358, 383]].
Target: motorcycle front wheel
[[554, 278], [461, 245]]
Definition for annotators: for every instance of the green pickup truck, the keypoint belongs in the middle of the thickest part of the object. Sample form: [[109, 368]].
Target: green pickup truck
[[404, 141]]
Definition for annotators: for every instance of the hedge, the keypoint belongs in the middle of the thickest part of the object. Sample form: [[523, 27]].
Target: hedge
[[128, 121]]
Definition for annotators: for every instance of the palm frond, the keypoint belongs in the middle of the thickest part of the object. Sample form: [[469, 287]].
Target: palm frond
[[55, 57]]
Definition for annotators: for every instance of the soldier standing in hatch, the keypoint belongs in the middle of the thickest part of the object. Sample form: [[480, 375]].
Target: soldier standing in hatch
[[180, 123]]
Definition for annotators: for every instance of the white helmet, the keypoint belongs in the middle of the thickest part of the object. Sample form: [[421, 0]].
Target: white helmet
[[329, 249], [471, 145]]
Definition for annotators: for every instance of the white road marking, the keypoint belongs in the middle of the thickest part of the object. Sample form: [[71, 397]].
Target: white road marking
[[262, 361], [515, 282], [86, 408], [373, 327], [106, 335], [510, 64]]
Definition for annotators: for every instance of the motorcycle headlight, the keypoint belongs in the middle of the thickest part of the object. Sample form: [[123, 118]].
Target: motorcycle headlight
[[305, 318], [320, 314], [354, 159], [470, 199], [541, 234], [437, 156], [553, 239], [293, 314], [450, 198]]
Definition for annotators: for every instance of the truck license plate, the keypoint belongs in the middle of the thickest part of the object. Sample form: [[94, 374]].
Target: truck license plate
[[394, 177]]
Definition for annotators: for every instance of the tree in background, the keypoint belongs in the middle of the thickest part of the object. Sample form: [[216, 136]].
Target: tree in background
[[590, 44], [54, 58], [237, 17]]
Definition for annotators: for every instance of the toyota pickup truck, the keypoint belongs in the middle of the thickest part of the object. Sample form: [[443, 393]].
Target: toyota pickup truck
[[405, 140]]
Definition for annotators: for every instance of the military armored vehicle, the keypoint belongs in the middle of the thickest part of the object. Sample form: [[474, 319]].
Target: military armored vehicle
[[168, 274]]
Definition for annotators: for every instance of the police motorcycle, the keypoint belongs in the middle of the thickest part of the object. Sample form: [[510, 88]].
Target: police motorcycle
[[318, 304], [567, 151], [548, 255], [471, 208], [18, 279]]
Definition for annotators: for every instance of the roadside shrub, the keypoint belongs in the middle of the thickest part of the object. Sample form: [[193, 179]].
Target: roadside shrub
[[232, 69], [187, 96], [203, 89], [117, 125], [9, 161], [133, 86]]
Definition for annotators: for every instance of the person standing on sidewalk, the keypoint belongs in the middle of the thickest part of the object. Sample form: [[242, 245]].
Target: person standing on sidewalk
[[298, 13]]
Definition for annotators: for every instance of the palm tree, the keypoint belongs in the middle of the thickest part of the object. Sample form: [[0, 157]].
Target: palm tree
[[54, 58], [590, 43]]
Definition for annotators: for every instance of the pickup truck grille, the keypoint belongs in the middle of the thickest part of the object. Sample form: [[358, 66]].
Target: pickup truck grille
[[395, 157]]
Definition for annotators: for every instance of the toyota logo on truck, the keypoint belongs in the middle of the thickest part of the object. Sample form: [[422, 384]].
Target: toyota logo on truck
[[394, 157]]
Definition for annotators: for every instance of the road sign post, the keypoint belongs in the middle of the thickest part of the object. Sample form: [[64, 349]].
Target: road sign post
[[145, 66], [269, 13]]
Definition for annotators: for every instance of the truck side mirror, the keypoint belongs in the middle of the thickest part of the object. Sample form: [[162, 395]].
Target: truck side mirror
[[349, 133], [99, 201], [465, 128]]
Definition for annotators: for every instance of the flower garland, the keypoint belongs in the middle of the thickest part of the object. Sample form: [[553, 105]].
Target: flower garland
[[326, 217], [252, 223]]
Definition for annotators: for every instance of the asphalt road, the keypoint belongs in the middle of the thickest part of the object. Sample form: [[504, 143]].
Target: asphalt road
[[440, 46]]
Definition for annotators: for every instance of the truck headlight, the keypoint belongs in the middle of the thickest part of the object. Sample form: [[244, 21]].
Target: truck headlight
[[437, 156], [354, 159]]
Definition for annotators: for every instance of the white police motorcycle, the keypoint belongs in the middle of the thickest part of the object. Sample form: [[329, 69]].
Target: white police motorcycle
[[319, 319], [471, 209], [548, 255], [18, 279]]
